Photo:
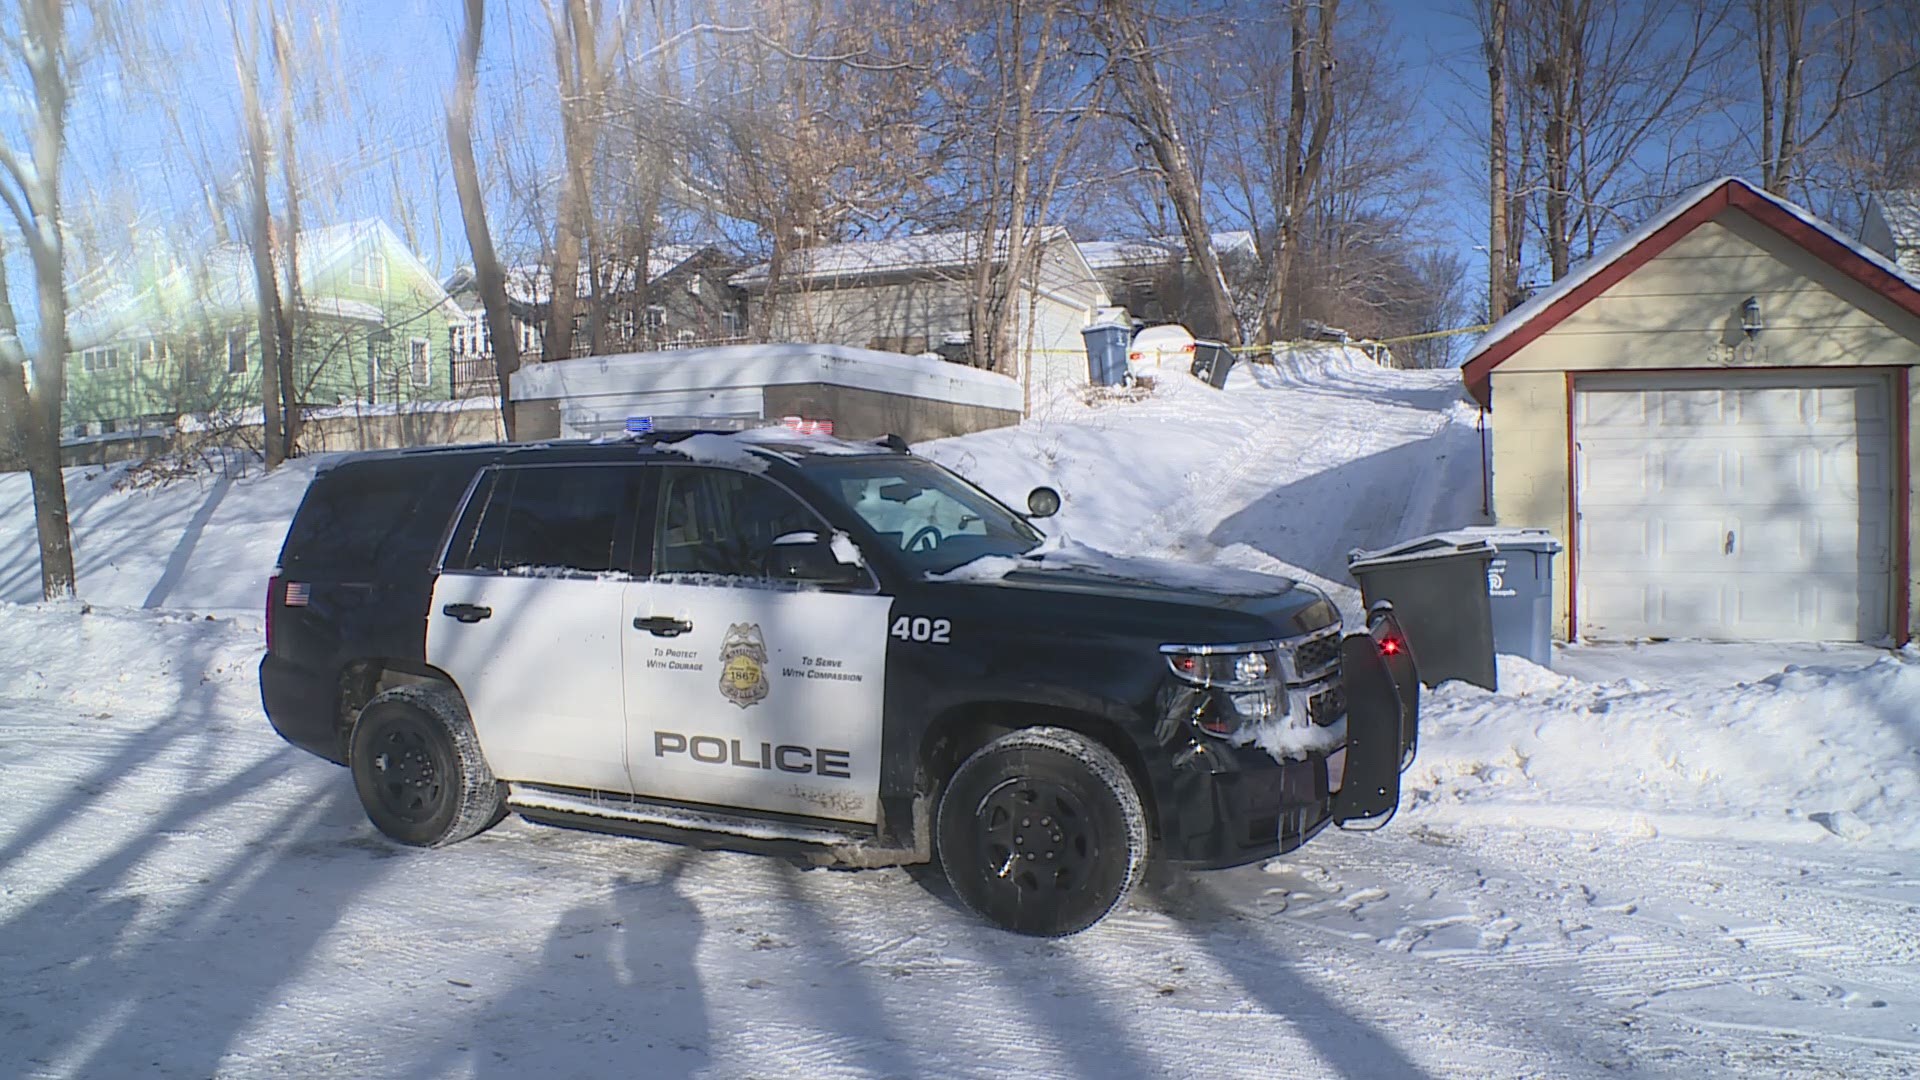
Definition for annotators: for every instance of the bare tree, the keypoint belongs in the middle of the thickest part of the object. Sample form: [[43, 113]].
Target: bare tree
[[578, 65], [1502, 267], [491, 279], [30, 188], [246, 58], [1605, 82], [1134, 62]]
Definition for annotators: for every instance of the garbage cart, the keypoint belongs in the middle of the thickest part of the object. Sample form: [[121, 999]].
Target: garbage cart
[[1438, 587], [1520, 590], [1107, 352], [1212, 360]]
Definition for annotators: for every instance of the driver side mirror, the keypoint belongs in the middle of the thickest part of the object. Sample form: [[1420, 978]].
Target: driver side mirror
[[1043, 502], [809, 557]]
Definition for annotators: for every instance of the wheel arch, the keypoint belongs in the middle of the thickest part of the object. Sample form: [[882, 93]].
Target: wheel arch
[[362, 679], [956, 733]]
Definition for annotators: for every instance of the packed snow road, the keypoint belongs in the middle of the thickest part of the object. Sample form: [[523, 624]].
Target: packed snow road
[[182, 895], [1687, 861]]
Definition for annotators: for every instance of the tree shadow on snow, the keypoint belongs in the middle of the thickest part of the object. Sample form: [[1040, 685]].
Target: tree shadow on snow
[[1371, 502]]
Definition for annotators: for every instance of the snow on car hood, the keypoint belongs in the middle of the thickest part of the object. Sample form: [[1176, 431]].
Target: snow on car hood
[[1059, 555]]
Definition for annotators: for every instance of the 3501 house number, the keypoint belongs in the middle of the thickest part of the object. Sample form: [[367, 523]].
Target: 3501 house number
[[936, 631]]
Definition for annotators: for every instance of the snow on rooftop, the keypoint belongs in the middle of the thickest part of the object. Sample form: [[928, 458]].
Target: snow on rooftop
[[1114, 254], [625, 376], [530, 283], [1585, 271], [955, 250]]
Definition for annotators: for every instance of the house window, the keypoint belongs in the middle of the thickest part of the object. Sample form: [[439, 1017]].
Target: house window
[[420, 361], [529, 338], [370, 271], [693, 284], [656, 319], [623, 324], [97, 360], [236, 352], [734, 322]]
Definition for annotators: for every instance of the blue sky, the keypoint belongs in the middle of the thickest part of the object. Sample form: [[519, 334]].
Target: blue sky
[[392, 163]]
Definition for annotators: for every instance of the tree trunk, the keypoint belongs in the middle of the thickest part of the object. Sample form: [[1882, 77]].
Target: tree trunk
[[1302, 156], [260, 241], [577, 62], [1154, 117], [487, 274], [292, 317], [1499, 282], [33, 197]]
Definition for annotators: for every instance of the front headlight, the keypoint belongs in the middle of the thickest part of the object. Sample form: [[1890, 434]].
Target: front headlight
[[1246, 676]]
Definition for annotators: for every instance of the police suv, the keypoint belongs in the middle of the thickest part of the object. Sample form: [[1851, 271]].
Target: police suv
[[801, 644]]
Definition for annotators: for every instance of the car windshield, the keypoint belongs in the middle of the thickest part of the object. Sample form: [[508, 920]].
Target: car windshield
[[934, 519]]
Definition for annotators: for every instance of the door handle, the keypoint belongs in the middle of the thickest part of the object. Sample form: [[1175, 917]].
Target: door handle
[[663, 625], [467, 613]]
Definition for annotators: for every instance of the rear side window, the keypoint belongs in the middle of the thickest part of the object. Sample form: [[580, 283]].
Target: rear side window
[[715, 521], [549, 520], [364, 522]]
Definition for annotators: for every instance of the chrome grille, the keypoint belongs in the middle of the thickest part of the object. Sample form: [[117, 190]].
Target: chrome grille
[[1317, 656], [1327, 706]]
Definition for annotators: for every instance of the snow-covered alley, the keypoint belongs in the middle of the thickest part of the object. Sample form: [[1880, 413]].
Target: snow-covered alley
[[1671, 860]]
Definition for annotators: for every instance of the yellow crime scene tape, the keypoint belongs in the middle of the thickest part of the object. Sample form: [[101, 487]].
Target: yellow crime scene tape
[[1405, 339]]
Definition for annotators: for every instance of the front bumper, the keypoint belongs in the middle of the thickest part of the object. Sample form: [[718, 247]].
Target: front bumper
[[1229, 805]]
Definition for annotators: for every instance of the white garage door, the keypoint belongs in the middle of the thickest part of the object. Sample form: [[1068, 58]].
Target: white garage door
[[1749, 509]]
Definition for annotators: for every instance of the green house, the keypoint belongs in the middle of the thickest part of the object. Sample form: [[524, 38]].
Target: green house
[[172, 339]]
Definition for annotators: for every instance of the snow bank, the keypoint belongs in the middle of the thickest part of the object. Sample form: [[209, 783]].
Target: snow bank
[[208, 543], [1803, 751], [1282, 472]]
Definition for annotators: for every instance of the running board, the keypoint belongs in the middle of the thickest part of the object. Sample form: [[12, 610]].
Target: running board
[[615, 808]]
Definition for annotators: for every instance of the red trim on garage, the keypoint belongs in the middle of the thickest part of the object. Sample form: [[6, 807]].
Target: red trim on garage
[[1900, 626], [1734, 194], [1573, 525]]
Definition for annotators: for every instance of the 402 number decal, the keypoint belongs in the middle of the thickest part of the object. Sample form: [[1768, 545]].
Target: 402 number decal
[[936, 631]]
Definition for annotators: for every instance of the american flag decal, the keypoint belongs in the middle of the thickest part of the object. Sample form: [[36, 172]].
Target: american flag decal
[[298, 593]]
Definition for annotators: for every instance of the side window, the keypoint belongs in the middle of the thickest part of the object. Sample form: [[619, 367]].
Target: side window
[[715, 521], [543, 520], [362, 522]]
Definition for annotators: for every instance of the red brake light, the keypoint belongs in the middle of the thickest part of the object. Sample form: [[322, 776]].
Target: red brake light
[[1390, 646]]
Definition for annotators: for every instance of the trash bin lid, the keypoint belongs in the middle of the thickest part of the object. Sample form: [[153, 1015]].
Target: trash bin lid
[[1515, 538], [1431, 546]]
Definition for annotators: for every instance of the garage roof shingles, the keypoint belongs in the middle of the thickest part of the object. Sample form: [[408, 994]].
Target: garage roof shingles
[[1634, 250]]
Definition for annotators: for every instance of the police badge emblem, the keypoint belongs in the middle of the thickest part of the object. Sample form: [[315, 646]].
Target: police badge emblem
[[743, 665]]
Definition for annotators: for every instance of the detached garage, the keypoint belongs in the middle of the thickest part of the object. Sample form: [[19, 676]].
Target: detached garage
[[1714, 416]]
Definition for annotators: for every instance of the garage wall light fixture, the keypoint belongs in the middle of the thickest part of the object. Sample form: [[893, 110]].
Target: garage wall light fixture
[[1750, 317]]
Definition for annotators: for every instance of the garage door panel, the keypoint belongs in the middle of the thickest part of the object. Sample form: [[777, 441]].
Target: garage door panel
[[1738, 512]]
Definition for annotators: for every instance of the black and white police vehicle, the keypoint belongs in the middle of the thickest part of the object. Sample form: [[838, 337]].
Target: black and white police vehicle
[[812, 646]]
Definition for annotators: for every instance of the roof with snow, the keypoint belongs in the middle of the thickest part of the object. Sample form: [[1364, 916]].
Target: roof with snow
[[1555, 303], [529, 283], [1115, 254], [925, 252]]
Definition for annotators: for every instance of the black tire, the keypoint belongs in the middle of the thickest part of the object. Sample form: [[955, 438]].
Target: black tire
[[1041, 832], [418, 769]]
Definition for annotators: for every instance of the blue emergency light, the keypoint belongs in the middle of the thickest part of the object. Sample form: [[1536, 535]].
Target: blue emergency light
[[639, 425]]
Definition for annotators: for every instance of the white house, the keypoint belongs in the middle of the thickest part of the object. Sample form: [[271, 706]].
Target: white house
[[914, 295]]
